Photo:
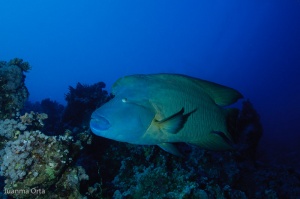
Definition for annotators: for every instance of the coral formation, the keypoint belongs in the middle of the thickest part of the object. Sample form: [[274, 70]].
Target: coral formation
[[10, 128], [24, 66], [168, 177], [13, 90], [147, 172], [82, 100], [54, 111], [34, 163], [31, 159]]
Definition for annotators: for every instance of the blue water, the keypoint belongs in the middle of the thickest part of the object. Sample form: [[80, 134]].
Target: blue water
[[252, 46]]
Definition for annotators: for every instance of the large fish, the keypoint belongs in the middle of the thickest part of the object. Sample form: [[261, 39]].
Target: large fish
[[161, 109]]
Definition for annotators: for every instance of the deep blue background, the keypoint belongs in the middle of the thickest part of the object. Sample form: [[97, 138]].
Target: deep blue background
[[251, 45]]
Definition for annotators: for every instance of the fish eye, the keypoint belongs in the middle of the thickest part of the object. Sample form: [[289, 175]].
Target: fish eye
[[124, 100]]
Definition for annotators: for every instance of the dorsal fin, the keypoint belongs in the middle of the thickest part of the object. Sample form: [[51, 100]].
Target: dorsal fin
[[222, 95]]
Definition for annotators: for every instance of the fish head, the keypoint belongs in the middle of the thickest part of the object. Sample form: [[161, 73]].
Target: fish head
[[122, 119]]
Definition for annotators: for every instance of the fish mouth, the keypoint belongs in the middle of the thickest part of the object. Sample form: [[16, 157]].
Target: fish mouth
[[99, 123]]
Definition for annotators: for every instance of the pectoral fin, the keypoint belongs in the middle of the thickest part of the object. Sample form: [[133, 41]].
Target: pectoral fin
[[173, 123], [170, 148]]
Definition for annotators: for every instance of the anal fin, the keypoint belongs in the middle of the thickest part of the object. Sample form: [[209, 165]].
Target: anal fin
[[170, 148]]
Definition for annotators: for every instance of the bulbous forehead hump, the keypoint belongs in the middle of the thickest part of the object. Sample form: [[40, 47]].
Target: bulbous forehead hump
[[130, 83]]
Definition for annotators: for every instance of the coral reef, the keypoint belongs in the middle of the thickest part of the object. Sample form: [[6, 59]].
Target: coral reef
[[147, 172], [34, 162], [54, 111], [10, 128], [168, 177], [82, 100], [13, 90], [76, 164]]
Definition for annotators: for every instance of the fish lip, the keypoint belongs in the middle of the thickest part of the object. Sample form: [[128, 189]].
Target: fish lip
[[99, 123]]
